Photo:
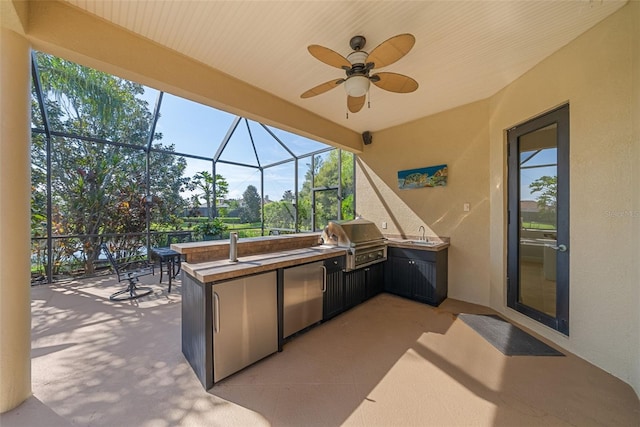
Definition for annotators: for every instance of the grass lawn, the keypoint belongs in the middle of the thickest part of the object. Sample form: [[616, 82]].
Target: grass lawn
[[538, 226]]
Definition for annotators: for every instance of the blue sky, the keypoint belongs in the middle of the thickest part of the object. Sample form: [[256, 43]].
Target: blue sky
[[198, 129], [527, 176]]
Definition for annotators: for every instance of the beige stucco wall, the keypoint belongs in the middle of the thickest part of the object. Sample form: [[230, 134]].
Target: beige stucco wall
[[594, 74], [598, 75], [635, 115], [460, 139], [15, 224]]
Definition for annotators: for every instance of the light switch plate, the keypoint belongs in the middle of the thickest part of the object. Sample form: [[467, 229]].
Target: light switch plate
[[466, 207], [384, 225]]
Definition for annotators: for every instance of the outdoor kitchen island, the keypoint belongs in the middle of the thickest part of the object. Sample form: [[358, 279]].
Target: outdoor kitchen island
[[235, 313]]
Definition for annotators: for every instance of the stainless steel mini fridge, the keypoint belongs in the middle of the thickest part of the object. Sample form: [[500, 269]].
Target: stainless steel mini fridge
[[303, 293], [245, 322]]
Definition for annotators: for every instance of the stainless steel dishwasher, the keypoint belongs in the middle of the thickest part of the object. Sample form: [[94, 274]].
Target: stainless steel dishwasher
[[304, 286], [245, 322]]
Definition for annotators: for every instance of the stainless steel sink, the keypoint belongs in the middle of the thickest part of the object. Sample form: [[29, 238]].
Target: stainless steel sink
[[423, 242]]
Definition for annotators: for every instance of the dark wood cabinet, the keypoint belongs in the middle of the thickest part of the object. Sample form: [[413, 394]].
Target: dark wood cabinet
[[374, 280], [423, 281], [417, 274], [347, 289], [397, 280], [362, 284], [333, 302], [354, 288]]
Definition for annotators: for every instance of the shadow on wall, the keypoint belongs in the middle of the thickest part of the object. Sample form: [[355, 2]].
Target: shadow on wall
[[408, 215], [374, 186], [404, 205]]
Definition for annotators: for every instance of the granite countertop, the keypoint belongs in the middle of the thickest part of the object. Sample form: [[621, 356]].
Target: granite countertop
[[198, 252], [188, 247], [213, 271], [220, 268]]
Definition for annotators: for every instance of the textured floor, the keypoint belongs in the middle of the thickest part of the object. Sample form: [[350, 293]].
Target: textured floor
[[388, 362]]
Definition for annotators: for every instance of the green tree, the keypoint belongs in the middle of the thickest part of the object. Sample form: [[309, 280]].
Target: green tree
[[250, 212], [304, 195], [100, 188], [546, 188], [325, 174], [279, 214], [288, 196], [233, 209], [203, 182], [166, 185], [38, 185]]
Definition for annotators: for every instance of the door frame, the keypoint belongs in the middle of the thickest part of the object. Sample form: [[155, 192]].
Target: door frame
[[559, 116]]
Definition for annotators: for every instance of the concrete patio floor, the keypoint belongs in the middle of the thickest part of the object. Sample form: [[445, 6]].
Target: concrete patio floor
[[387, 362]]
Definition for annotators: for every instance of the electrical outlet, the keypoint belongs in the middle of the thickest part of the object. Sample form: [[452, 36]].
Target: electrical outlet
[[384, 225], [466, 207]]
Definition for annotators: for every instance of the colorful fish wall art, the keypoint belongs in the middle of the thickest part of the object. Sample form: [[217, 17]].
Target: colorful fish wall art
[[430, 176]]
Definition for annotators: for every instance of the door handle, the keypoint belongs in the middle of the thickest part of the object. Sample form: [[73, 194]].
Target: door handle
[[324, 279], [559, 248], [216, 308]]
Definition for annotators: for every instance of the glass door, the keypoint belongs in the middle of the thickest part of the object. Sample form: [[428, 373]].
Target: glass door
[[538, 230]]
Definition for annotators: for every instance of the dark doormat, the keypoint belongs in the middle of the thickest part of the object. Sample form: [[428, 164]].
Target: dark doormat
[[509, 339]]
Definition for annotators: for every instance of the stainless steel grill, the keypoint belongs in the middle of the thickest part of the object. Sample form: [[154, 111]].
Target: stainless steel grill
[[364, 242]]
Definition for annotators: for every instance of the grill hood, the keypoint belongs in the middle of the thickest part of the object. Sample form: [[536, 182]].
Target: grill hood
[[351, 234]]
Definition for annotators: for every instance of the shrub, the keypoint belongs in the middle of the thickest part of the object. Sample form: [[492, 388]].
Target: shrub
[[210, 228]]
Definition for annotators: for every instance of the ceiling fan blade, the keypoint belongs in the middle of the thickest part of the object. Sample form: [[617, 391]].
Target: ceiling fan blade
[[355, 104], [321, 88], [328, 56], [390, 50], [394, 82]]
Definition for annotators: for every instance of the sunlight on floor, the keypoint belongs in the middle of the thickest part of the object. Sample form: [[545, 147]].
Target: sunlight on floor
[[388, 361]]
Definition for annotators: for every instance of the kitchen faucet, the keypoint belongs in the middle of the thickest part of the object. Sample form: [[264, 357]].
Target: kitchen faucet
[[424, 239], [233, 246]]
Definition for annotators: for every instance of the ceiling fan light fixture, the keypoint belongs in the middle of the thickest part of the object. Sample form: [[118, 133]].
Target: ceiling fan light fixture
[[358, 57], [357, 86], [359, 64]]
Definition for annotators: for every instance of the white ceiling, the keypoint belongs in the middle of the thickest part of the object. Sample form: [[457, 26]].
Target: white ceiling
[[465, 50]]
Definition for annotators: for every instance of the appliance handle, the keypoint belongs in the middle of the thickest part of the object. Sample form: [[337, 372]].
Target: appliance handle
[[216, 309], [324, 279]]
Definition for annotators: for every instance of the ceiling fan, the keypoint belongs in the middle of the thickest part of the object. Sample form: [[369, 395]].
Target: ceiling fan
[[358, 64]]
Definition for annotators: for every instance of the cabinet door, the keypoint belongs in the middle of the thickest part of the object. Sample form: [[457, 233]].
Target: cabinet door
[[397, 277], [374, 279], [334, 295], [354, 288], [423, 280]]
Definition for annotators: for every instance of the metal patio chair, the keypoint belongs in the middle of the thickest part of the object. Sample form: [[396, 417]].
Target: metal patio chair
[[124, 272]]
